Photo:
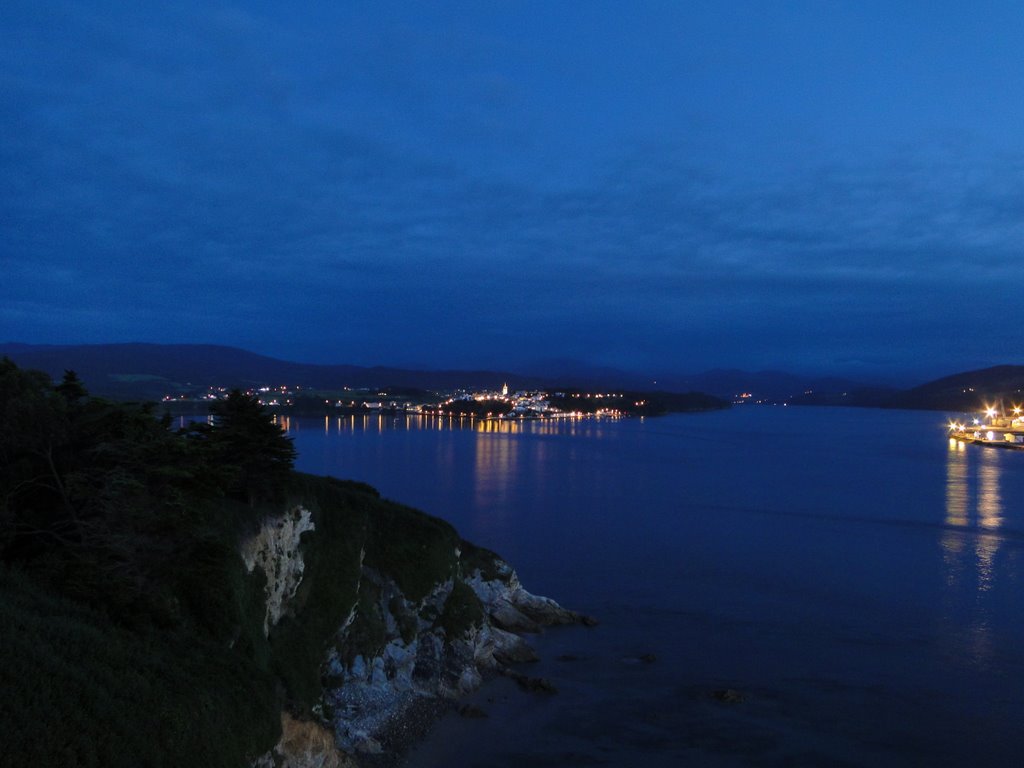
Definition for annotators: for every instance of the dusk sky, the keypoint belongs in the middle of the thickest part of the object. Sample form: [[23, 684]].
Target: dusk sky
[[824, 186]]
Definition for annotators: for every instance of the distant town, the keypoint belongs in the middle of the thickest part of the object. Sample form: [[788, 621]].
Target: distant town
[[483, 404]]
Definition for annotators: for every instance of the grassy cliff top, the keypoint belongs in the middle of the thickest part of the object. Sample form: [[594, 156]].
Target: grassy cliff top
[[131, 632]]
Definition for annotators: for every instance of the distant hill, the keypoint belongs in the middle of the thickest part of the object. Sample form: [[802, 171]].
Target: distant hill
[[152, 370], [970, 391], [149, 371], [775, 386], [728, 383]]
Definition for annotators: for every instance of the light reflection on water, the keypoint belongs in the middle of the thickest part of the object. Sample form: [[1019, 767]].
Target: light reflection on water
[[974, 516], [493, 463], [982, 511], [381, 422], [494, 469]]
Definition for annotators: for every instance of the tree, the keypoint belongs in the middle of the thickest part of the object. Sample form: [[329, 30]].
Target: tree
[[105, 503], [71, 388], [245, 437]]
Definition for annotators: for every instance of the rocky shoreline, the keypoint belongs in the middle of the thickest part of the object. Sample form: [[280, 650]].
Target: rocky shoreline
[[398, 663], [377, 700]]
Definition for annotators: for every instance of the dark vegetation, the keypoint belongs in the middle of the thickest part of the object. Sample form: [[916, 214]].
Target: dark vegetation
[[131, 633], [122, 589], [318, 402], [82, 690], [480, 408], [637, 403], [153, 370], [101, 501], [131, 371], [1002, 386]]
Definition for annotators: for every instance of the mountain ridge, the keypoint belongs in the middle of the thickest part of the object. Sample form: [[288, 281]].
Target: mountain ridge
[[144, 369]]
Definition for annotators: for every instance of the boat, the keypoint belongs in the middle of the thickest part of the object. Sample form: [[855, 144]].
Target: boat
[[992, 428]]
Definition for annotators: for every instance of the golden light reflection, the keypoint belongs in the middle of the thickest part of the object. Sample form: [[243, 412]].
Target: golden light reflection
[[990, 517], [570, 424], [494, 468], [982, 512], [970, 544], [957, 501], [508, 427], [990, 502]]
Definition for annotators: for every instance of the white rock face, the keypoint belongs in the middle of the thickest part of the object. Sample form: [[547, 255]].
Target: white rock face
[[513, 608], [274, 548]]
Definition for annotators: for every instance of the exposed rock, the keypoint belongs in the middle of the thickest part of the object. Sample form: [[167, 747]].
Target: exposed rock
[[304, 744], [729, 696], [513, 608], [542, 610], [437, 648], [504, 614], [531, 684], [274, 548], [394, 660], [509, 648]]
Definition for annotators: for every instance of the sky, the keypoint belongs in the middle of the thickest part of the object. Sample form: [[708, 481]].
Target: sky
[[833, 187]]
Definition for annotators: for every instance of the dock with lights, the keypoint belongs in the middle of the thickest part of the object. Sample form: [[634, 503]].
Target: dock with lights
[[993, 428]]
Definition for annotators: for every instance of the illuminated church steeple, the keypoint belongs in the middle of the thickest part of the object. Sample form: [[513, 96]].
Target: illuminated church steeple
[[504, 390]]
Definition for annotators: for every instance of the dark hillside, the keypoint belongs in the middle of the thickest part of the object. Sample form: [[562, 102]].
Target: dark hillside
[[133, 631], [148, 371], [969, 391]]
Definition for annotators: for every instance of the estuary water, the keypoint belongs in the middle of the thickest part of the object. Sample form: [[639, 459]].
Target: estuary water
[[857, 580]]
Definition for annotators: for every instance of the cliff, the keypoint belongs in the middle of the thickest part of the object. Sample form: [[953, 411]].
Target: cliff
[[354, 614], [184, 597], [421, 617]]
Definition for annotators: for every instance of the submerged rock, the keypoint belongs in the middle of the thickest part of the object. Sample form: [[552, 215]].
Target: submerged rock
[[729, 696], [531, 684]]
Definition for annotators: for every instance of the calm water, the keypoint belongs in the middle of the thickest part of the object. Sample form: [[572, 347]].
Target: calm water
[[858, 580]]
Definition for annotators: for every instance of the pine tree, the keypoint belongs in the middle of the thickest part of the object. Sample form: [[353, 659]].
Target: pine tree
[[245, 436]]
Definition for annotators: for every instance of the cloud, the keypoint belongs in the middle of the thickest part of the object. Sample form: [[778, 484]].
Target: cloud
[[382, 189]]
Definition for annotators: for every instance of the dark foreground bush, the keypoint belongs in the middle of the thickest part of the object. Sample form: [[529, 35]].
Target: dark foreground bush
[[81, 691]]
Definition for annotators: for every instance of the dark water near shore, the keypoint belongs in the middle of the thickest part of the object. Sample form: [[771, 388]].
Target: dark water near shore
[[859, 581]]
